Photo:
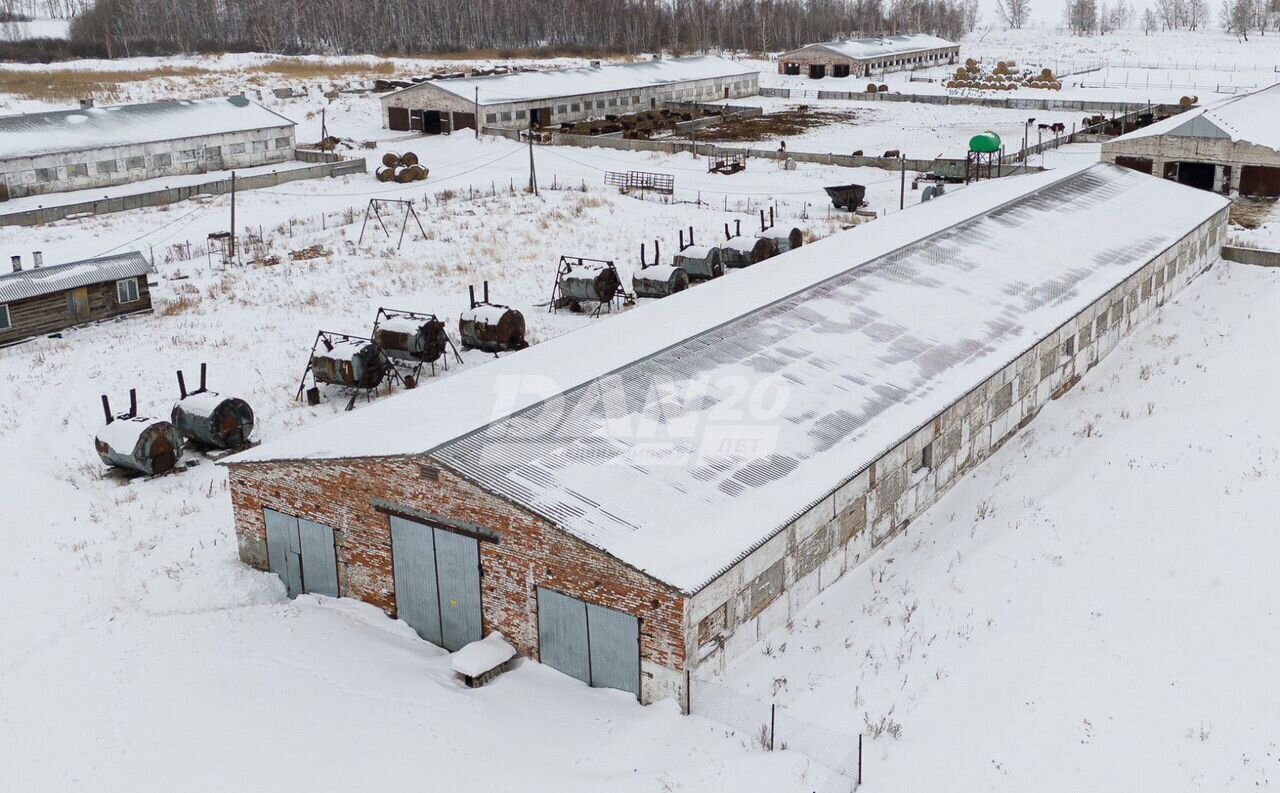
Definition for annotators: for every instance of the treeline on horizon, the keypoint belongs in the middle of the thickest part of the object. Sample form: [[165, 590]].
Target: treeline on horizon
[[121, 28]]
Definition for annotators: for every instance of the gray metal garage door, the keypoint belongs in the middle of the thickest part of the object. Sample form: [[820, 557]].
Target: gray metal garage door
[[597, 645], [437, 577], [302, 553]]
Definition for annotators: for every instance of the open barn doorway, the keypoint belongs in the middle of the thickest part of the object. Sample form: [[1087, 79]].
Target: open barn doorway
[[1196, 174]]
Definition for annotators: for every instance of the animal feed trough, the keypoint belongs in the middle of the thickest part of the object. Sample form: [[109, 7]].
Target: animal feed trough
[[137, 444], [208, 419], [739, 251], [351, 362], [658, 280], [491, 328], [412, 338], [701, 262], [783, 238], [581, 282]]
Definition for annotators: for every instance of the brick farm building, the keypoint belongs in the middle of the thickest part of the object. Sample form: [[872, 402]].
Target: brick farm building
[[866, 57], [651, 494], [1229, 146], [563, 95]]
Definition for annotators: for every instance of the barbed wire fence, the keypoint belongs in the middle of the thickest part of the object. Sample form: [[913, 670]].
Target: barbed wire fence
[[772, 728]]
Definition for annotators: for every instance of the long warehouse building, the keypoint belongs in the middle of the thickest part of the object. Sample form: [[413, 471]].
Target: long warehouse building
[[101, 146], [656, 492], [563, 95], [865, 57]]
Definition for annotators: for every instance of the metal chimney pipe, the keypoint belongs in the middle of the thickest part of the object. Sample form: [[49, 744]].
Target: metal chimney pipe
[[17, 263], [182, 386], [471, 290], [204, 368], [37, 259], [106, 409], [133, 402]]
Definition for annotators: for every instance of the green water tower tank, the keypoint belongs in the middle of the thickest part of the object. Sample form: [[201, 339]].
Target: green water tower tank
[[985, 142]]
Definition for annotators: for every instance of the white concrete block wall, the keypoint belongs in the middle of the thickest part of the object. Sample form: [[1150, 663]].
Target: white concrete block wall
[[881, 500], [79, 170]]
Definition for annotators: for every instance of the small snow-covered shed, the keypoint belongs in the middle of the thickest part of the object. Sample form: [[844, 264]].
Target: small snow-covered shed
[[35, 299], [865, 57], [1231, 146], [550, 97], [654, 493], [100, 146]]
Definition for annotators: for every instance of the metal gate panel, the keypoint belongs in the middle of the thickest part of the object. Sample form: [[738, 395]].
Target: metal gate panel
[[1259, 180], [614, 640], [282, 549], [562, 634], [458, 577], [413, 562], [319, 558]]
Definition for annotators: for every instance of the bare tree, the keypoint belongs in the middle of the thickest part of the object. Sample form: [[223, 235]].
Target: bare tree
[[1149, 21], [1082, 16], [1237, 16], [1014, 13]]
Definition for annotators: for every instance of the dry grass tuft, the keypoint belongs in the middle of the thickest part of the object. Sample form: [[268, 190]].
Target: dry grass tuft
[[61, 85]]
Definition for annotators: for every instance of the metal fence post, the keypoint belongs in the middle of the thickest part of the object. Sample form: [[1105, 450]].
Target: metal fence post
[[773, 718], [859, 759]]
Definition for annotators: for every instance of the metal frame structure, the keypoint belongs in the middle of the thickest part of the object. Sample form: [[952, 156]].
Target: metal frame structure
[[375, 206], [327, 338]]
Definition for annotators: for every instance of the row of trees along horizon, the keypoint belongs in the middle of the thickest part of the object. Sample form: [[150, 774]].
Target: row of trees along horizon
[[138, 27], [1087, 17]]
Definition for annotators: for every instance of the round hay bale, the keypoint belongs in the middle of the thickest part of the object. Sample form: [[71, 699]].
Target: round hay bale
[[419, 172], [971, 64], [391, 159], [385, 174], [404, 175], [884, 88], [408, 158], [961, 73], [871, 88], [1046, 74], [952, 84]]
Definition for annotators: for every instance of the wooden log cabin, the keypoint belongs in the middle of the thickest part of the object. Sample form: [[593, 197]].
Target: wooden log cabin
[[41, 300]]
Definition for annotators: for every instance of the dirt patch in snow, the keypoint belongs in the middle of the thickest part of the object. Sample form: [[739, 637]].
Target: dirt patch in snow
[[776, 125], [1250, 213]]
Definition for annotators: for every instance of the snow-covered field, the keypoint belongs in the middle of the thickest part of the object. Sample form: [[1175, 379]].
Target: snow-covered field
[[1090, 610]]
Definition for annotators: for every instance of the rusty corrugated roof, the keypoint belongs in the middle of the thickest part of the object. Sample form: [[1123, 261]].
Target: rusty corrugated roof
[[39, 281]]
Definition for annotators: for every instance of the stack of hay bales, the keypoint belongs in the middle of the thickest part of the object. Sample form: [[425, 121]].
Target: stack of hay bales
[[402, 168]]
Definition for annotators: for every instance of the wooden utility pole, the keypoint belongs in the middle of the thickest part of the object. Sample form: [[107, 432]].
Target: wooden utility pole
[[233, 215], [478, 112], [902, 190], [533, 174]]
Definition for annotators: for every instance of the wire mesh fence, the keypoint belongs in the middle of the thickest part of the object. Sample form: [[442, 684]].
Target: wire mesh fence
[[773, 728]]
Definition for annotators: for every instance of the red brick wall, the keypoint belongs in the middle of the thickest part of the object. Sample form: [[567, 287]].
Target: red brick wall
[[531, 552]]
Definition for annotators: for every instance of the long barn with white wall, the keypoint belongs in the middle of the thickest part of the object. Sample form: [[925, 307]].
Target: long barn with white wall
[[563, 95], [102, 146], [654, 493], [866, 57]]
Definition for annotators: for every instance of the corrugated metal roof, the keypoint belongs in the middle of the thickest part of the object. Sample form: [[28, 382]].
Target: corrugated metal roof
[[870, 48], [34, 282], [33, 134], [679, 436], [1250, 118], [564, 83]]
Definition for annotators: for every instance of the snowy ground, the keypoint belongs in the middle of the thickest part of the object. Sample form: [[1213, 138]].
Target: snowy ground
[[1093, 609], [1059, 621]]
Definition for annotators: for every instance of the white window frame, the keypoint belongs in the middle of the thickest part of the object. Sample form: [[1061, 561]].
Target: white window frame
[[122, 291], [6, 322]]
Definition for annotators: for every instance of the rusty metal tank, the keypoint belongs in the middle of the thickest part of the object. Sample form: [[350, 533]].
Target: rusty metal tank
[[659, 280], [746, 251], [212, 420], [352, 362], [784, 239], [588, 281], [144, 445], [492, 328], [700, 262], [420, 339]]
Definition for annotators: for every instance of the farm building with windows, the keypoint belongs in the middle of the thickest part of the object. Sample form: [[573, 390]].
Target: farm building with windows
[[37, 300], [865, 57], [651, 495], [1232, 146], [563, 95], [102, 146]]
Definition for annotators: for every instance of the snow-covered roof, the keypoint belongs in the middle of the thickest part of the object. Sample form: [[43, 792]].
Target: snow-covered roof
[[33, 134], [1247, 118], [34, 282], [558, 83], [680, 436], [871, 48]]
